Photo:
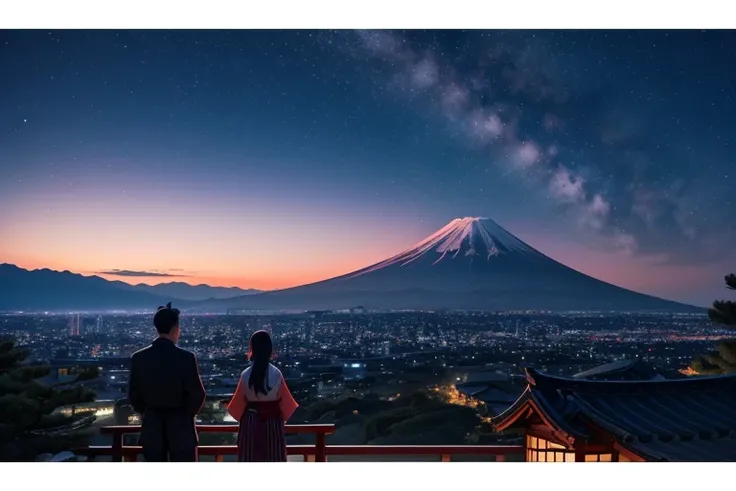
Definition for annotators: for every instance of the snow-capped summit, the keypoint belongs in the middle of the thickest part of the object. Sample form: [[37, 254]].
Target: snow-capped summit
[[466, 237], [469, 264]]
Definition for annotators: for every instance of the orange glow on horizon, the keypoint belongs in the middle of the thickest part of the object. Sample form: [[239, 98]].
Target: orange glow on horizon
[[263, 282], [267, 283], [218, 246]]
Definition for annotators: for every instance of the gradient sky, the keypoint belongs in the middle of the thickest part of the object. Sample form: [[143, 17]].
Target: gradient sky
[[268, 159]]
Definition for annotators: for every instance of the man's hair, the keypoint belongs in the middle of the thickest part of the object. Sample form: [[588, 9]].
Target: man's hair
[[166, 319]]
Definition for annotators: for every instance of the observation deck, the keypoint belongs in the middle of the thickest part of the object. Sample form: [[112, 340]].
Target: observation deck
[[317, 452]]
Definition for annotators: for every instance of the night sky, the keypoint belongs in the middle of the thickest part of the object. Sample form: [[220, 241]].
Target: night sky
[[268, 159]]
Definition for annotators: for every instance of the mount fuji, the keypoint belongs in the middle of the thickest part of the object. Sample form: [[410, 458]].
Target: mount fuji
[[469, 264]]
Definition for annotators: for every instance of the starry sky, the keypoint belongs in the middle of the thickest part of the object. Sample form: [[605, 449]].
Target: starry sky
[[266, 159]]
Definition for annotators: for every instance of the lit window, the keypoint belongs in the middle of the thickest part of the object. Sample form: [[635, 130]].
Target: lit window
[[542, 450]]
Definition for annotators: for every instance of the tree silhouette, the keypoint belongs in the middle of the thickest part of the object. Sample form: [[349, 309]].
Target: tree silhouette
[[28, 424], [723, 359]]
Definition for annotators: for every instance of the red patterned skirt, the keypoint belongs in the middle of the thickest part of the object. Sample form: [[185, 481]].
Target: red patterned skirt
[[261, 434]]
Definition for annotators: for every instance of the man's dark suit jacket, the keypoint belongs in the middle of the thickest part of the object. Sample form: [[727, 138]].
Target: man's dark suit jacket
[[166, 389]]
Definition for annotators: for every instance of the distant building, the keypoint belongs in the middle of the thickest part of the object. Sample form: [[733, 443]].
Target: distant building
[[60, 374], [124, 414], [579, 420], [496, 390], [330, 385], [316, 314], [633, 369], [75, 325], [353, 371]]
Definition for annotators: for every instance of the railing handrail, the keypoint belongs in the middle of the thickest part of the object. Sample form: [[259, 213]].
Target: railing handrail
[[424, 449], [325, 429], [320, 431], [318, 451], [444, 451]]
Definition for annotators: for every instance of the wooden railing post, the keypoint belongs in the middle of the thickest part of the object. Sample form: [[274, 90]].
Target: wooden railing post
[[316, 453], [320, 451], [117, 447]]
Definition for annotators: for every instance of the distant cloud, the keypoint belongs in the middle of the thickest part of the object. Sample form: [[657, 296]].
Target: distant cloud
[[596, 212], [425, 73], [625, 242], [566, 187], [485, 126], [127, 272], [527, 154]]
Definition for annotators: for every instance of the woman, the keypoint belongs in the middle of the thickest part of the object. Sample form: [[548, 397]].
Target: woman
[[261, 404]]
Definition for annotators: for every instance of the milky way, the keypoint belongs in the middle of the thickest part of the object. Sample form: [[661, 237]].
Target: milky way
[[628, 132]]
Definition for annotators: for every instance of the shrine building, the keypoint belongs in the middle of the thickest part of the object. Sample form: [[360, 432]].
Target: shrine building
[[692, 419]]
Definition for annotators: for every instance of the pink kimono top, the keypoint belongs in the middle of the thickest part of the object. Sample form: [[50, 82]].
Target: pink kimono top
[[279, 393]]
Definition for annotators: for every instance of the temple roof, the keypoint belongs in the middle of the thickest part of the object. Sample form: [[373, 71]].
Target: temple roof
[[632, 369], [690, 419]]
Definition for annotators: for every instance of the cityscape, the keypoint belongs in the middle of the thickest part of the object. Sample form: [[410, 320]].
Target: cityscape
[[471, 359]]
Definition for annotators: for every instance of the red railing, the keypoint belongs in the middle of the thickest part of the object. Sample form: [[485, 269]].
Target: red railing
[[314, 453]]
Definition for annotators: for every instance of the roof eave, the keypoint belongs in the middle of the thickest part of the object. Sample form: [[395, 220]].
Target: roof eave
[[525, 403]]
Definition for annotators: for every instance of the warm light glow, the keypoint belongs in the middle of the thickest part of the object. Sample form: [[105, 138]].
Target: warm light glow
[[453, 396], [244, 250], [106, 411], [542, 450], [604, 457]]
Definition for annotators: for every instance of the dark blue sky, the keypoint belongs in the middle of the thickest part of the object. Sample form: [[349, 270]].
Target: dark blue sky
[[610, 150]]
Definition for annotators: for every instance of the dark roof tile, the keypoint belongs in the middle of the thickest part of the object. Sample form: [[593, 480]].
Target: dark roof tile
[[659, 418]]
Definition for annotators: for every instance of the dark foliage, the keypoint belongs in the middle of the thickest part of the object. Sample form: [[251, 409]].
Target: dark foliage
[[723, 311], [414, 419], [723, 359], [29, 424]]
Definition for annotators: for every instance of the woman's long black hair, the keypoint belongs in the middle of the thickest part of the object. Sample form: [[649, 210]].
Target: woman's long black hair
[[260, 356]]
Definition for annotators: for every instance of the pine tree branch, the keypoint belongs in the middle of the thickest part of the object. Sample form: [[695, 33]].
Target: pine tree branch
[[727, 352], [723, 312], [731, 282], [27, 405]]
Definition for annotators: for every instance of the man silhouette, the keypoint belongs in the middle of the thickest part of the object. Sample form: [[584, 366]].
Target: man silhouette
[[166, 390]]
